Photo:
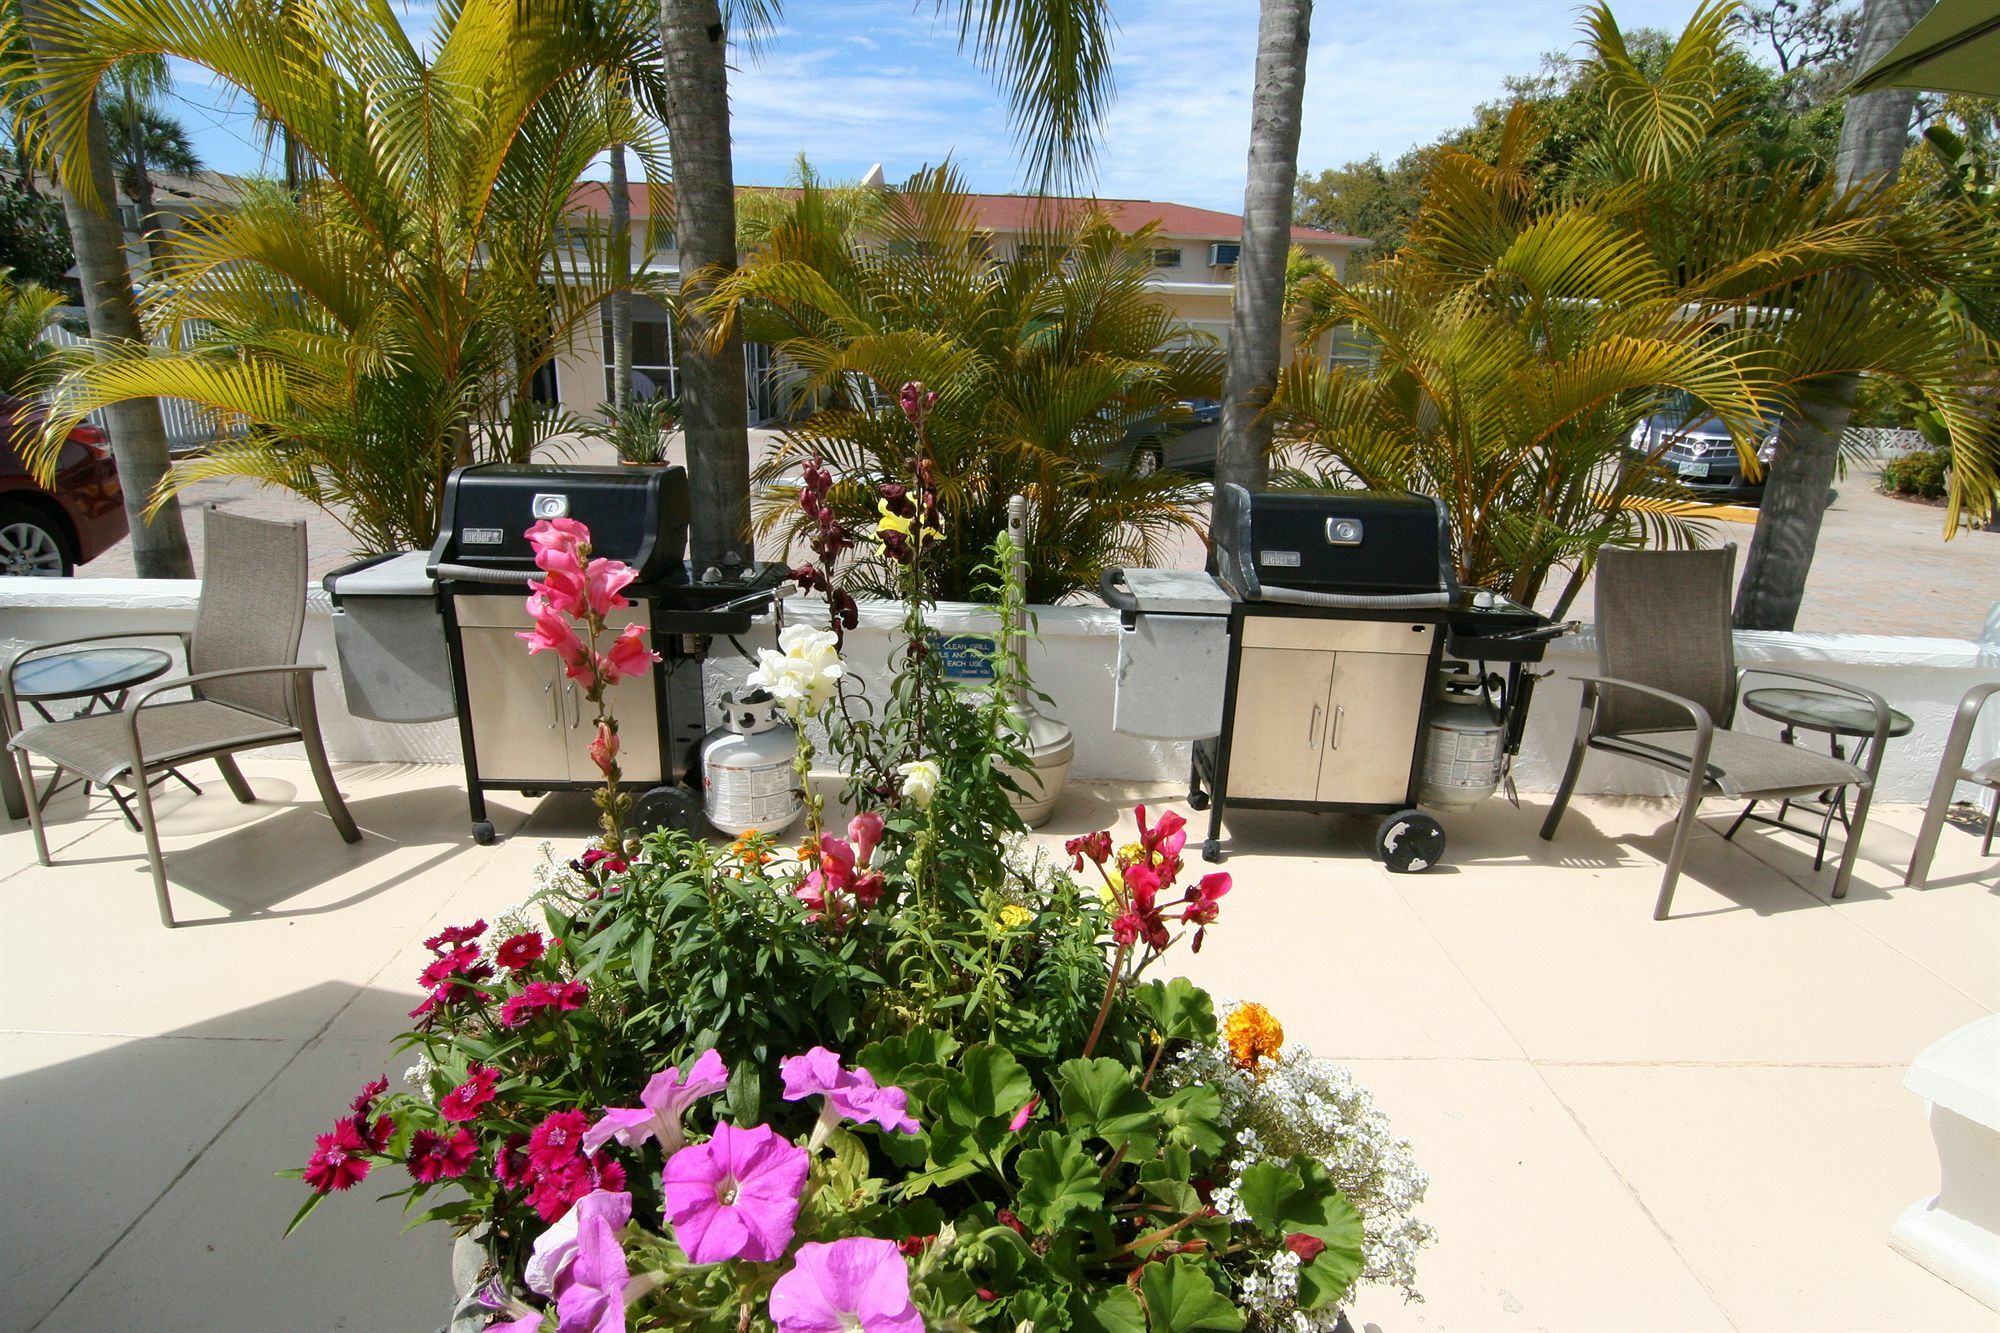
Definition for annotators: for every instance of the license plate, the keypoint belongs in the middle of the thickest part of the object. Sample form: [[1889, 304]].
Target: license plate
[[1694, 469]]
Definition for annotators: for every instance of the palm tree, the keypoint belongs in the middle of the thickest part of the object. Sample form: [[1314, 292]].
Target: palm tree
[[1256, 321], [28, 310], [621, 277], [1517, 347], [1043, 361], [82, 165], [1872, 138], [386, 322], [1054, 59], [145, 135]]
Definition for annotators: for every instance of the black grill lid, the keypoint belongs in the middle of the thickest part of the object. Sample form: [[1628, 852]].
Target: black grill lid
[[1331, 541], [635, 514]]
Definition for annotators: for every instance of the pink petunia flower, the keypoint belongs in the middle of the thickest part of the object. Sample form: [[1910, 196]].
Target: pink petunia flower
[[858, 1282], [462, 1103], [579, 1264], [337, 1162], [433, 1157], [666, 1099], [850, 1094], [735, 1196]]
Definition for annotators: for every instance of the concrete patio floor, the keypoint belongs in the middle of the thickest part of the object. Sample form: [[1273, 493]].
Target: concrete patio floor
[[1630, 1124]]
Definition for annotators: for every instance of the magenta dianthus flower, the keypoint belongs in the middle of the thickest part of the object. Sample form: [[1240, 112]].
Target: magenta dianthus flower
[[735, 1196]]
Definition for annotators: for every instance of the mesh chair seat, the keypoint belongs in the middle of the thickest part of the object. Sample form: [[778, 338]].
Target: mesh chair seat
[[1739, 765], [169, 734]]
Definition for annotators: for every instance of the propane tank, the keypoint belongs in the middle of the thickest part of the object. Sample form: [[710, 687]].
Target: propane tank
[[1465, 751], [747, 773]]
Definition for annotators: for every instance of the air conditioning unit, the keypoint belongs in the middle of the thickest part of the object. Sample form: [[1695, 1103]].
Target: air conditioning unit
[[1222, 254]]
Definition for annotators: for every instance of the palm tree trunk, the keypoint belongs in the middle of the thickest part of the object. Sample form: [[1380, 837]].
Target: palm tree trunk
[[1256, 324], [714, 415], [1872, 138], [621, 275], [138, 436], [142, 179]]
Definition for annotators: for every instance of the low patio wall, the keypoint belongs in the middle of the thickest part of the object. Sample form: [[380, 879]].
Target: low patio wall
[[1073, 658]]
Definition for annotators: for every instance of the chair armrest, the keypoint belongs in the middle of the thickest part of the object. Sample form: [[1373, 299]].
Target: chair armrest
[[1875, 702], [1703, 723], [139, 696]]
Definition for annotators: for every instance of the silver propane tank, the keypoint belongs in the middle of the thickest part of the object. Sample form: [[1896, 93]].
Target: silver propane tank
[[1465, 752], [747, 779]]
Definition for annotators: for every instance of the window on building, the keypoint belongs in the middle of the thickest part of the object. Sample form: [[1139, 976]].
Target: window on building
[[1349, 346], [1166, 259], [655, 369]]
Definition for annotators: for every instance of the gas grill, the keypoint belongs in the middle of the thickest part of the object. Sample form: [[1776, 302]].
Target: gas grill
[[525, 726], [1343, 611]]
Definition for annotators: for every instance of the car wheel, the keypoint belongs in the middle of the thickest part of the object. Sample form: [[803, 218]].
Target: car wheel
[[1145, 460], [31, 544]]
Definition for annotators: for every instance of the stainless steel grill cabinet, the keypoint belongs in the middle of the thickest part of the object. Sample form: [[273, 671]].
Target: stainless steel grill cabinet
[[1343, 605], [523, 724]]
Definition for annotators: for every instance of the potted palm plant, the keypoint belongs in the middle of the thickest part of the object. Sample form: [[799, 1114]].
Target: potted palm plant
[[639, 430]]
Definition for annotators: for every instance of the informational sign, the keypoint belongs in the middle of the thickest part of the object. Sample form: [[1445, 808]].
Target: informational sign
[[966, 658]]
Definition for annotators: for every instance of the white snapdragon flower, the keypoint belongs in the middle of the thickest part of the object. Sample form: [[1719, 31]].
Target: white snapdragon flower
[[920, 781], [803, 672]]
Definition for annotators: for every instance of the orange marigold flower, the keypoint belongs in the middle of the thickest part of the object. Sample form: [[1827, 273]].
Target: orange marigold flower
[[1252, 1033]]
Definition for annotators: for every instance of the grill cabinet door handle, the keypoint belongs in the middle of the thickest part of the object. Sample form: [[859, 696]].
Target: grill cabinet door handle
[[555, 705], [1312, 729], [1339, 716]]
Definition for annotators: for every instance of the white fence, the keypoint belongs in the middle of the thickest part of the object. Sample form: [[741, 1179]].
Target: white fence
[[1881, 442]]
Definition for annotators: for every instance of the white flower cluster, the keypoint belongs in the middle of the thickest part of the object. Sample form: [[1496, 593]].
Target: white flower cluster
[[803, 672], [1299, 1106], [418, 1075]]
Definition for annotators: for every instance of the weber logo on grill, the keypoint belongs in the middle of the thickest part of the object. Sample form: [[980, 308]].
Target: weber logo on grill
[[1279, 559], [481, 536]]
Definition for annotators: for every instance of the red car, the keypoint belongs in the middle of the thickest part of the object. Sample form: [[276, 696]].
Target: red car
[[51, 533]]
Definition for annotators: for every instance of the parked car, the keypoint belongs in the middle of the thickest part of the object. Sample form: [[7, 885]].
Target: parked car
[[1183, 440], [50, 533], [1701, 455]]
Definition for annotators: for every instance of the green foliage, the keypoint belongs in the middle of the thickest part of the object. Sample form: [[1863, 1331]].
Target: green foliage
[[1042, 360], [27, 312], [1364, 198], [638, 430], [384, 323], [34, 236], [1920, 473]]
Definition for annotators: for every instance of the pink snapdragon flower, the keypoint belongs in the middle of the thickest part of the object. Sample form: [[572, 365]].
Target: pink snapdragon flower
[[865, 832], [554, 633], [579, 1264], [850, 1094], [604, 584], [735, 1196], [666, 1099], [604, 748], [858, 1282], [629, 656], [557, 535]]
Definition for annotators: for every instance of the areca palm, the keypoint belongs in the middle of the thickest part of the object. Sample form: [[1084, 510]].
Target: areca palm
[[386, 321], [1042, 361]]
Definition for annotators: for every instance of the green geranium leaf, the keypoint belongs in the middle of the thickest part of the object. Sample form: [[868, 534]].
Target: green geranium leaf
[[1058, 1178], [989, 1084], [1102, 1097], [1192, 1119], [1266, 1190], [896, 1060], [1181, 1010], [1181, 1298], [1320, 1210], [1114, 1311]]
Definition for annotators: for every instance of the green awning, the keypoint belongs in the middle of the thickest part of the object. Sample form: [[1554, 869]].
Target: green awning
[[1953, 49]]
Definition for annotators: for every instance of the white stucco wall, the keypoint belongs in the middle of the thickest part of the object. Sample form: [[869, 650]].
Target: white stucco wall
[[1073, 658]]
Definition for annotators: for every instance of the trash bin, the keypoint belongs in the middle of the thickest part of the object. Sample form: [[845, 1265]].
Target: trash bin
[[1173, 653], [390, 638]]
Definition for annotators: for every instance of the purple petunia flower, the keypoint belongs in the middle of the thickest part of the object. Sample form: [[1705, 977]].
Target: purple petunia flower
[[858, 1282], [736, 1196], [579, 1264], [850, 1094], [667, 1096]]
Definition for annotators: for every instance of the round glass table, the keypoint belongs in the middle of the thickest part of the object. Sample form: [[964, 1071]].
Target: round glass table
[[102, 677], [1838, 716]]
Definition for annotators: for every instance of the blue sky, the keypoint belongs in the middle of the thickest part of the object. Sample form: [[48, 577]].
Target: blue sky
[[854, 82]]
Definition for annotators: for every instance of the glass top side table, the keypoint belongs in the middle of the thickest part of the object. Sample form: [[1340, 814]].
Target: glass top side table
[[102, 677], [1838, 716]]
